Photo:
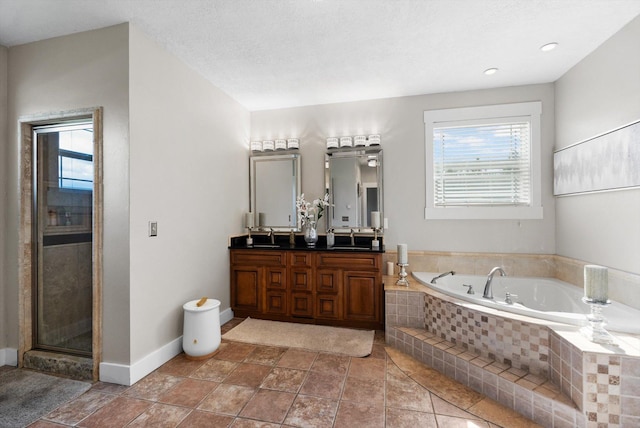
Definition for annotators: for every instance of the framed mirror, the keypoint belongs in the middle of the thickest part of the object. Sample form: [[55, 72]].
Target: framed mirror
[[353, 179], [275, 184]]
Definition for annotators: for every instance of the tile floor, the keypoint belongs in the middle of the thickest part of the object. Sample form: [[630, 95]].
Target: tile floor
[[259, 386]]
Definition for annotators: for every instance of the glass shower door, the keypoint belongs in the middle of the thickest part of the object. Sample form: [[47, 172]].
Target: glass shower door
[[63, 227]]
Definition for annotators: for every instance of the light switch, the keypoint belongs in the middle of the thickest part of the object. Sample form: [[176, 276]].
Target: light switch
[[153, 228]]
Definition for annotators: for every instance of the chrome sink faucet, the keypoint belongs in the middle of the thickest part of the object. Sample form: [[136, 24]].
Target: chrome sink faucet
[[353, 240], [488, 292], [272, 236]]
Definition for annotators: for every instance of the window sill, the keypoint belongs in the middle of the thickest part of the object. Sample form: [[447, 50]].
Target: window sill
[[484, 213]]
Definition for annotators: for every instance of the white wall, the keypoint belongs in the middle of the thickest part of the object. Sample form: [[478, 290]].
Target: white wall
[[400, 122], [3, 198], [77, 71], [601, 93], [189, 172]]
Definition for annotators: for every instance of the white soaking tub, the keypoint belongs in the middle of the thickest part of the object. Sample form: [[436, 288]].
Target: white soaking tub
[[542, 298]]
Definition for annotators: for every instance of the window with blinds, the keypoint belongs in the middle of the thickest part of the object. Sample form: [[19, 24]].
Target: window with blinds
[[483, 162], [482, 165]]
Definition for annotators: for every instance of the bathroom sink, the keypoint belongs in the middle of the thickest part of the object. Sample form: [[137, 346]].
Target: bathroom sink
[[351, 248], [266, 246]]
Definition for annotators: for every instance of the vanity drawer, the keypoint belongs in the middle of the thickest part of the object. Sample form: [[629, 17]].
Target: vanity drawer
[[349, 261], [300, 259], [258, 258]]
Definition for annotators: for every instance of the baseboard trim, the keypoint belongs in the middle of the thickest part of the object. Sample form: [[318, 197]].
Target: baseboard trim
[[128, 375], [9, 357]]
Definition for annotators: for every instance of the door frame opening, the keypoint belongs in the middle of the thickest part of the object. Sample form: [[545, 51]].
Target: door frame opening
[[27, 256]]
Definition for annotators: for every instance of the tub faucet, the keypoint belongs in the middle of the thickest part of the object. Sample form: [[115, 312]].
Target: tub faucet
[[488, 293], [433, 280]]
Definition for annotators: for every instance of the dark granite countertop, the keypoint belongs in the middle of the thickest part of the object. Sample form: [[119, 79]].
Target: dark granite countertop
[[281, 242]]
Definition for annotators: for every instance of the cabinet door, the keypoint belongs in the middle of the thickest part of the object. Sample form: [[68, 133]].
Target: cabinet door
[[329, 306], [328, 296], [245, 288], [361, 296], [301, 304], [328, 280], [301, 280], [301, 285], [275, 291]]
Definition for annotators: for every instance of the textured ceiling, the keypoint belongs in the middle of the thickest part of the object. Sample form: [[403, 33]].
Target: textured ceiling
[[278, 53]]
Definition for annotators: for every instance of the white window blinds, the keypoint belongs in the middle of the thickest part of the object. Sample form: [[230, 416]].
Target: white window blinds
[[482, 165]]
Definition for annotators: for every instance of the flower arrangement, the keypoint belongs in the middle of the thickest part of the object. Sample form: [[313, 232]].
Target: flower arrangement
[[311, 212]]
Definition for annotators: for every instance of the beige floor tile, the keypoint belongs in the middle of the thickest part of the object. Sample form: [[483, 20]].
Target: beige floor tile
[[267, 355], [215, 370], [269, 406], [356, 415], [284, 379], [364, 391], [493, 411], [152, 386], [323, 385], [402, 418], [248, 375], [227, 399], [78, 409], [116, 413], [442, 407], [333, 364], [309, 411], [454, 422], [161, 415], [297, 359], [200, 419]]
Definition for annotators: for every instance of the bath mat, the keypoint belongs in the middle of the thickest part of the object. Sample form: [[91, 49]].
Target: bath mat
[[335, 340], [26, 396]]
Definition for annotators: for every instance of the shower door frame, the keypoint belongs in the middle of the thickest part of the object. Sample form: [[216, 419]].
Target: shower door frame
[[28, 263]]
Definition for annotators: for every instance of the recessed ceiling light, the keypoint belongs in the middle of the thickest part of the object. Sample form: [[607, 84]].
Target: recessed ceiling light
[[549, 47], [490, 71]]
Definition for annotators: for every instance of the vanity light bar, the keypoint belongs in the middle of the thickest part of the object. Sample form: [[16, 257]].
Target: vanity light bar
[[271, 145], [332, 143], [360, 140], [357, 141], [346, 142], [268, 145]]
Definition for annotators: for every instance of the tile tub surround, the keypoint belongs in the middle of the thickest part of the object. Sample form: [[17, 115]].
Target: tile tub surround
[[623, 286], [583, 383]]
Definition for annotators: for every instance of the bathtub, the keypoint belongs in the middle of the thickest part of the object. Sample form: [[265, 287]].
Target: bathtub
[[542, 298]]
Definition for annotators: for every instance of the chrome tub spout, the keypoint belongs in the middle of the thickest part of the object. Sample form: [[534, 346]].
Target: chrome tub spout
[[488, 292]]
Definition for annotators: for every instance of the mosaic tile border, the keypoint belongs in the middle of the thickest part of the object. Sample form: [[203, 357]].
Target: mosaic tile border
[[515, 343]]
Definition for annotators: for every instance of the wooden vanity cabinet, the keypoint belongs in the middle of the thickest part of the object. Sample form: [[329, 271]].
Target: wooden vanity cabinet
[[258, 282], [322, 287]]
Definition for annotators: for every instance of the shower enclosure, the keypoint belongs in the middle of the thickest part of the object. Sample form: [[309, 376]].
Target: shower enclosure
[[62, 230]]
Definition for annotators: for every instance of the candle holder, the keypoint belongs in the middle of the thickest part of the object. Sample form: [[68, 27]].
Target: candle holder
[[249, 238], [403, 275], [375, 244], [595, 331]]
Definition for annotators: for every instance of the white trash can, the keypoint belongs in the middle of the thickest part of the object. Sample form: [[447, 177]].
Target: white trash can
[[201, 337]]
